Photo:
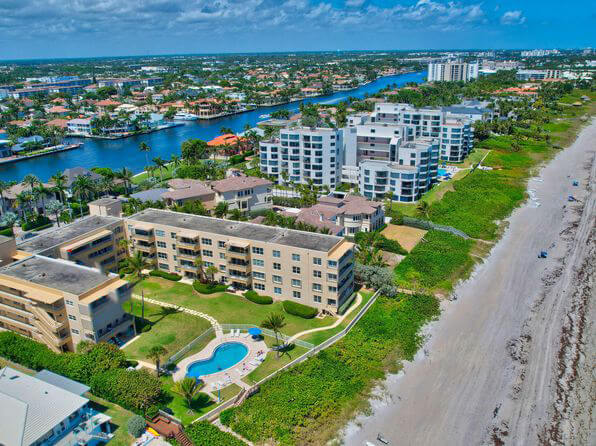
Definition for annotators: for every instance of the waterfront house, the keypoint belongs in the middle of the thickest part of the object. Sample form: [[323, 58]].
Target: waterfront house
[[243, 193], [80, 126], [188, 190], [48, 409], [11, 203]]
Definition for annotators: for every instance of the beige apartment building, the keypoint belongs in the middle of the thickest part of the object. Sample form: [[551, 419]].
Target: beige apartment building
[[310, 268], [60, 303]]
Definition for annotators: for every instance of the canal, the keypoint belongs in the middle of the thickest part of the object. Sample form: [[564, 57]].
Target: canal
[[125, 152]]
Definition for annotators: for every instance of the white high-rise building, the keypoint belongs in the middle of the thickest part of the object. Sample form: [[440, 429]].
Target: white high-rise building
[[303, 153], [452, 71]]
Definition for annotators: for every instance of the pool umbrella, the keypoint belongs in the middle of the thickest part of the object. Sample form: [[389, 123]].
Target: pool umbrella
[[254, 331]]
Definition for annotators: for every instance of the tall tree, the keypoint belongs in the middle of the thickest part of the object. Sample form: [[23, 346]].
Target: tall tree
[[275, 322], [143, 147], [188, 388], [156, 353]]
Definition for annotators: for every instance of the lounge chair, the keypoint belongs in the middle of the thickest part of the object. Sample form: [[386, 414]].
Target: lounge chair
[[245, 335]]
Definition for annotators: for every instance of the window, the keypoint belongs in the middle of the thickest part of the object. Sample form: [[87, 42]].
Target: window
[[207, 264], [69, 302], [162, 244], [259, 286], [277, 279], [332, 277], [71, 317], [207, 253], [160, 233], [222, 268], [296, 269], [173, 234], [258, 275], [333, 289], [317, 299], [222, 255], [332, 264], [257, 250], [296, 257], [277, 290], [296, 294], [277, 266], [331, 302], [162, 255], [206, 241], [164, 266], [221, 244], [276, 253], [316, 273], [317, 287], [75, 331], [258, 262], [316, 261], [297, 283]]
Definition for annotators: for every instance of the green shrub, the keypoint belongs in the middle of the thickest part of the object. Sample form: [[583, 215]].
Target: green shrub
[[390, 245], [225, 417], [299, 310], [136, 426], [7, 232], [151, 412], [204, 433], [146, 328], [253, 296], [102, 367], [39, 222], [209, 288], [313, 393], [236, 159], [165, 275]]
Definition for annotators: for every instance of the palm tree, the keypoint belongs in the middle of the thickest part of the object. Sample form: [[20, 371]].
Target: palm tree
[[236, 214], [188, 388], [221, 210], [175, 161], [160, 164], [41, 191], [155, 353], [22, 202], [126, 176], [275, 322], [82, 187], [211, 271], [423, 208], [31, 181], [198, 262], [4, 186], [123, 243], [59, 182], [137, 264], [145, 148]]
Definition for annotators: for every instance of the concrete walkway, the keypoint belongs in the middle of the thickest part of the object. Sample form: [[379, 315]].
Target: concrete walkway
[[329, 327], [216, 326]]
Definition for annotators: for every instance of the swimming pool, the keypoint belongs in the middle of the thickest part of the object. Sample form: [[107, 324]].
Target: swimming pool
[[225, 356], [441, 172]]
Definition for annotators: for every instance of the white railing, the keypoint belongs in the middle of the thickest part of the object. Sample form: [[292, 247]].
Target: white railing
[[188, 347], [267, 332]]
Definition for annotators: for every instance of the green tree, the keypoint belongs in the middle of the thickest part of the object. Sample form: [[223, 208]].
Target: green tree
[[211, 271], [58, 181], [55, 207], [194, 150], [423, 208], [156, 353], [221, 210], [188, 389], [143, 147], [275, 322]]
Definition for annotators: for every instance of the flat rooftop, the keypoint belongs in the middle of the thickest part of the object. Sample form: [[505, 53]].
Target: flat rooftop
[[63, 234], [55, 273], [237, 229]]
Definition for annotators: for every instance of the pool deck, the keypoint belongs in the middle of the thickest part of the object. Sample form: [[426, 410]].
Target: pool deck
[[234, 374]]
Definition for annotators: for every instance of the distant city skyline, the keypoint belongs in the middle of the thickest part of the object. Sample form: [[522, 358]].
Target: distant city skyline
[[95, 28]]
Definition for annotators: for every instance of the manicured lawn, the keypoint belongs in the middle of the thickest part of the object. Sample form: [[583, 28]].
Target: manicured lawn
[[473, 158], [225, 308], [273, 361], [201, 404], [168, 173], [169, 328], [119, 420]]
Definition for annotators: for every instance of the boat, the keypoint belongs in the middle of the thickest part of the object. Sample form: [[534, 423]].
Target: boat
[[264, 116], [181, 116]]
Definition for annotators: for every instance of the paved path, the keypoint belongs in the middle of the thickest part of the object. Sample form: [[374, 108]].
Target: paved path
[[211, 319], [329, 327]]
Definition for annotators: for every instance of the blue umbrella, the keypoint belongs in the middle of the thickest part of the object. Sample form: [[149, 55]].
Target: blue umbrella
[[254, 331]]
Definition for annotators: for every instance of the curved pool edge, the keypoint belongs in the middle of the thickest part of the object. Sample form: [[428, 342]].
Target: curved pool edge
[[213, 355]]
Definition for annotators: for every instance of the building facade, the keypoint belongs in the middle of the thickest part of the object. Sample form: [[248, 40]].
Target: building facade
[[310, 268], [452, 71], [302, 154]]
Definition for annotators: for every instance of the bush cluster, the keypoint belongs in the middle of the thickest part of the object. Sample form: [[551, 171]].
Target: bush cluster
[[136, 426], [204, 433], [7, 232], [209, 288], [165, 275], [39, 222], [101, 366], [390, 245], [299, 310], [253, 296]]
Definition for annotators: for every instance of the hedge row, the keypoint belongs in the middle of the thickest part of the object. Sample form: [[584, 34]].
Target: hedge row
[[165, 275], [390, 245], [299, 310], [102, 367], [204, 433], [208, 288], [8, 232], [253, 296], [40, 222]]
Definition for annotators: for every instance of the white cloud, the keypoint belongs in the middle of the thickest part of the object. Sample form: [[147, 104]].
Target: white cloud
[[513, 18], [354, 3]]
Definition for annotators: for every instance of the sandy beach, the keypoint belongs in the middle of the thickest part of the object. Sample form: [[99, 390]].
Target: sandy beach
[[510, 360]]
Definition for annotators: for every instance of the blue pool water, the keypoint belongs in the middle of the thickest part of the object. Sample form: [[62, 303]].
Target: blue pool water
[[441, 172], [225, 356]]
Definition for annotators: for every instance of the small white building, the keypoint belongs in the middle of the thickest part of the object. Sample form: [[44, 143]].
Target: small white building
[[243, 193]]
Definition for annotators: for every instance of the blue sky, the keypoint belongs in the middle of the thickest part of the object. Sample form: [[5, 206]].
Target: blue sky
[[80, 28]]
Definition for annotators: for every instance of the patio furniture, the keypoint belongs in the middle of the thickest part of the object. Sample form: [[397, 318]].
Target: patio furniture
[[254, 332]]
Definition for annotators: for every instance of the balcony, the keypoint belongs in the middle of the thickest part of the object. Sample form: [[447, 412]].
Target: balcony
[[187, 254], [147, 236], [188, 242]]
